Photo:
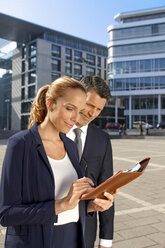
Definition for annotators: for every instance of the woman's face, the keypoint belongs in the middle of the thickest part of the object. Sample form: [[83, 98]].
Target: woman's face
[[65, 111]]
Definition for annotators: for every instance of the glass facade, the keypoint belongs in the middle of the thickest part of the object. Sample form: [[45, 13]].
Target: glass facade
[[137, 70], [143, 17], [142, 102], [137, 49], [139, 83], [135, 66], [76, 43], [136, 32]]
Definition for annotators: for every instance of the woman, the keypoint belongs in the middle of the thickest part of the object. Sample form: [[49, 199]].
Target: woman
[[41, 180]]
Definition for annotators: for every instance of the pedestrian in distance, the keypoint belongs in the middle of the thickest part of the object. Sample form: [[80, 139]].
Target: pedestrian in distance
[[41, 183], [141, 129], [147, 128]]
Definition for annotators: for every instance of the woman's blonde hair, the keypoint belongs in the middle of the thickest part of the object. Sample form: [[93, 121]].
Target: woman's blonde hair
[[53, 91]]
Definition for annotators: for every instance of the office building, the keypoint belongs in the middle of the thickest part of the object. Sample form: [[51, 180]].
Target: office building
[[41, 56], [136, 65]]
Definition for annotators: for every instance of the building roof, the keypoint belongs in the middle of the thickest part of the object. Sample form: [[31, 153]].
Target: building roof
[[18, 30], [121, 16]]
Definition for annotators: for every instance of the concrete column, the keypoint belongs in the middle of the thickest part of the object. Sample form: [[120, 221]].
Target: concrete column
[[116, 109], [159, 108], [130, 111]]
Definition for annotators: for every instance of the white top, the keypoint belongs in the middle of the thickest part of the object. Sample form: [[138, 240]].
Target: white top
[[64, 175]]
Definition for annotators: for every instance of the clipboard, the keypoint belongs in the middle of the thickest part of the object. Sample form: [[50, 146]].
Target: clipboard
[[118, 180]]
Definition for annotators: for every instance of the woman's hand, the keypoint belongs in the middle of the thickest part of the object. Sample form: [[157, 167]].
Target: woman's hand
[[101, 204], [79, 187]]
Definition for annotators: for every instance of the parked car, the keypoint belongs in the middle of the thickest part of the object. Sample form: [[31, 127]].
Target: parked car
[[161, 125], [136, 124], [112, 125]]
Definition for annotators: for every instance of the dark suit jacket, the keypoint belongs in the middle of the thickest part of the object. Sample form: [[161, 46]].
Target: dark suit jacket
[[27, 204], [97, 159]]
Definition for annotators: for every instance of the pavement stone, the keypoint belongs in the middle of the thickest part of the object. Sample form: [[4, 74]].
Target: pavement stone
[[140, 205]]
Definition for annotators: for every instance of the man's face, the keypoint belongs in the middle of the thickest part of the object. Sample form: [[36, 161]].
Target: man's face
[[94, 105]]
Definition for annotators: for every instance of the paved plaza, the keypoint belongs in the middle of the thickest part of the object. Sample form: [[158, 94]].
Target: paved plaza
[[140, 205]]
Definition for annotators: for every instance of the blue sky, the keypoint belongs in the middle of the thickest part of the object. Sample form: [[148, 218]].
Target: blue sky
[[86, 19]]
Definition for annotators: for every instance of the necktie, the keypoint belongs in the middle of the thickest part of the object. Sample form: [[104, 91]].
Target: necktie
[[78, 140]]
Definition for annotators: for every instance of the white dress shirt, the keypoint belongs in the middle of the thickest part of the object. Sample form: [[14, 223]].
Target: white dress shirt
[[72, 136]]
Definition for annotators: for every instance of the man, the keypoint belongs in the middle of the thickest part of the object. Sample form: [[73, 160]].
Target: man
[[95, 156]]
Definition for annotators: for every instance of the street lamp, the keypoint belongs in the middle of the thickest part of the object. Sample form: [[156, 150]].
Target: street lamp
[[7, 114]]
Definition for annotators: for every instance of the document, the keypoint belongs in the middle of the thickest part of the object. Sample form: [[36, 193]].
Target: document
[[118, 180]]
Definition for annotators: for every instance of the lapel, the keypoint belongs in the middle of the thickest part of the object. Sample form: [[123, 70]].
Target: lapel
[[40, 147], [71, 150]]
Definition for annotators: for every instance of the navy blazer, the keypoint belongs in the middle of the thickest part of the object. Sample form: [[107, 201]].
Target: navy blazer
[[27, 192], [96, 163]]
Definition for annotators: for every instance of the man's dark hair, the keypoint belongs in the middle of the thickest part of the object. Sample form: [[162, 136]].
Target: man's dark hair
[[98, 84]]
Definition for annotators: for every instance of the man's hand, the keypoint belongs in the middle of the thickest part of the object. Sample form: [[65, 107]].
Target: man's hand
[[101, 204]]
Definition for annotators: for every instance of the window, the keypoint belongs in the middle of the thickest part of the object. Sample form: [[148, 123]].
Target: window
[[149, 103], [90, 59], [23, 79], [145, 65], [99, 61], [32, 63], [68, 54], [23, 66], [56, 65], [32, 49], [143, 103], [136, 104], [105, 63], [25, 107], [99, 72], [56, 51], [136, 49], [68, 68], [23, 52], [105, 75], [23, 93], [32, 77], [24, 121], [55, 76], [90, 71], [78, 56], [77, 70], [31, 91]]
